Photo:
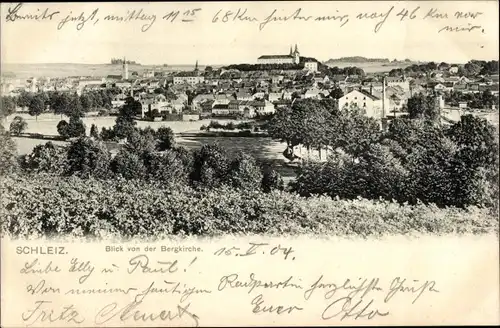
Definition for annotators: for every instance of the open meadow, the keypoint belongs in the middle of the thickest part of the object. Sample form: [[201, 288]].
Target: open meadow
[[264, 149]]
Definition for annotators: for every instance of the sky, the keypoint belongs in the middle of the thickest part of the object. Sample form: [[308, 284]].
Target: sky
[[242, 41]]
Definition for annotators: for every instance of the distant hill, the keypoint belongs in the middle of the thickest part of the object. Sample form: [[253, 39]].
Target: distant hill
[[356, 59]]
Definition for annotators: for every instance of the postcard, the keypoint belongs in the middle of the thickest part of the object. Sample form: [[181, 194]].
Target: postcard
[[264, 163]]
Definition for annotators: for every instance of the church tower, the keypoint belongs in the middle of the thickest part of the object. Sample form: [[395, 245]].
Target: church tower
[[296, 55], [125, 69]]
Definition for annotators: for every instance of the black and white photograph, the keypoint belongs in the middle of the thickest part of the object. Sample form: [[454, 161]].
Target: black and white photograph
[[249, 163]]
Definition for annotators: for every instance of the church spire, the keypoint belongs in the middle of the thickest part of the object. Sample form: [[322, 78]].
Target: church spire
[[296, 49], [196, 66], [291, 52]]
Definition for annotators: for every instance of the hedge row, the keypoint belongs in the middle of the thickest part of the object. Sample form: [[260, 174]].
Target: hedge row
[[40, 205]]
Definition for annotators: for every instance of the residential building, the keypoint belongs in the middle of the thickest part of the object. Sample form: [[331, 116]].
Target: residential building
[[311, 66], [191, 79], [402, 82], [371, 105]]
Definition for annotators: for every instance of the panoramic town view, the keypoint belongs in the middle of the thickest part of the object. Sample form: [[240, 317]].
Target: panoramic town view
[[284, 142], [250, 147]]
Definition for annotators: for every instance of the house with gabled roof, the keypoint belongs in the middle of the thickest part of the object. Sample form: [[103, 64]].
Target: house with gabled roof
[[369, 104]]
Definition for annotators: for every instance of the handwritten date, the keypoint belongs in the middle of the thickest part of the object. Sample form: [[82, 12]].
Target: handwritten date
[[255, 249]]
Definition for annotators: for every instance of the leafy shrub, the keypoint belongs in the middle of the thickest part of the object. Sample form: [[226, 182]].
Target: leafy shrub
[[167, 167], [62, 128], [8, 153], [141, 143], [128, 165], [75, 128], [210, 165], [107, 134], [272, 180], [244, 173], [47, 158], [86, 158], [166, 138], [123, 127]]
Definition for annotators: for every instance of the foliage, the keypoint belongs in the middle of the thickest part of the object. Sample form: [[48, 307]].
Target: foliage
[[122, 129], [47, 158], [420, 106], [8, 153], [169, 166], [87, 157], [94, 131], [18, 125], [336, 93], [107, 134], [210, 166], [319, 123], [131, 108], [477, 141], [414, 161], [272, 180], [166, 138], [128, 164], [62, 128], [74, 129], [7, 106], [39, 205], [36, 105], [140, 143], [244, 173]]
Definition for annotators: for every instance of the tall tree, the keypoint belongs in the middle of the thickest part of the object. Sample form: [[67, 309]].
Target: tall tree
[[36, 105]]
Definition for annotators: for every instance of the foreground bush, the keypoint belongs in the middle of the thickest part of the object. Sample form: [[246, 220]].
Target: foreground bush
[[42, 205]]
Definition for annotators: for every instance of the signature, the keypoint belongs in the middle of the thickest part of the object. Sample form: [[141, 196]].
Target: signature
[[68, 314], [345, 306], [132, 312]]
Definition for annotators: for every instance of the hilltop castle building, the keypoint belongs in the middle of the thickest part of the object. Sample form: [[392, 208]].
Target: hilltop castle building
[[292, 58]]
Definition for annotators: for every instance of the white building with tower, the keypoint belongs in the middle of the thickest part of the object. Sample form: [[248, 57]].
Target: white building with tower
[[292, 58]]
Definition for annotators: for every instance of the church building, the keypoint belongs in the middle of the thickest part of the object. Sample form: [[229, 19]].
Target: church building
[[292, 58]]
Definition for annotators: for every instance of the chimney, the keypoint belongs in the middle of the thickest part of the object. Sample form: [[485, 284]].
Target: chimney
[[383, 98]]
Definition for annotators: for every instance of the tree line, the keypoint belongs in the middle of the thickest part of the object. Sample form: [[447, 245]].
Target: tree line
[[416, 159], [470, 69], [64, 103]]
